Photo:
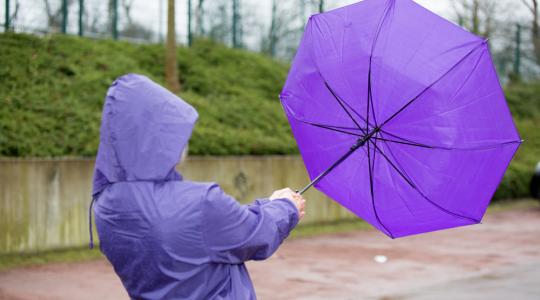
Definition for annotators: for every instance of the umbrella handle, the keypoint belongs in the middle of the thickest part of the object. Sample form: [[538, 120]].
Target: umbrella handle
[[359, 143], [325, 172]]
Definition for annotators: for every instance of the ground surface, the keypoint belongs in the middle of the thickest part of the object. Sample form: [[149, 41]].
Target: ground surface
[[499, 259]]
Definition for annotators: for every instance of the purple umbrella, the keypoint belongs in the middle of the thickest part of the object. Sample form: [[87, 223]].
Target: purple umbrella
[[399, 116]]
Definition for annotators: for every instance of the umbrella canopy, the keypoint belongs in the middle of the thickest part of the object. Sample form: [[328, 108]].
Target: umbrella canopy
[[399, 116]]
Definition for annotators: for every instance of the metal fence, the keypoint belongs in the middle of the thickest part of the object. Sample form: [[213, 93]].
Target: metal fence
[[514, 53], [265, 25], [269, 26], [140, 21], [525, 60]]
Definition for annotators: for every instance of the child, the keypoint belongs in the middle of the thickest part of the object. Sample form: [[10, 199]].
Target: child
[[168, 238]]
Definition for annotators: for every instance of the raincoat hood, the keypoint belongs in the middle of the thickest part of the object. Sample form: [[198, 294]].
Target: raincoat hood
[[169, 238], [144, 129]]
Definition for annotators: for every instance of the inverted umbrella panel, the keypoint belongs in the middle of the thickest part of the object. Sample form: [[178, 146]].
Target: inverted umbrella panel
[[421, 123]]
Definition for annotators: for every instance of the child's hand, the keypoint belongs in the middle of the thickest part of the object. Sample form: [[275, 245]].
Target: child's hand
[[295, 198]]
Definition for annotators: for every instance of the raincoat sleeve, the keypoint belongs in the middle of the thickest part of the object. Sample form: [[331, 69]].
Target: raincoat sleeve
[[234, 233]]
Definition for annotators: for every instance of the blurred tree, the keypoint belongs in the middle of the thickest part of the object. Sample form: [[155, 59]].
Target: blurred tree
[[134, 29], [321, 6], [477, 16], [532, 6], [81, 16], [94, 23], [111, 25], [11, 17], [55, 16], [189, 23], [114, 12], [272, 33], [303, 16], [236, 24], [127, 5], [219, 21], [171, 65], [282, 36], [494, 20], [199, 18], [137, 31], [517, 56], [7, 16]]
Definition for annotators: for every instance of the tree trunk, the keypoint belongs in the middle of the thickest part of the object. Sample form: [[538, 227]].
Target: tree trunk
[[236, 43], [535, 31], [199, 15], [475, 17], [171, 70], [272, 35]]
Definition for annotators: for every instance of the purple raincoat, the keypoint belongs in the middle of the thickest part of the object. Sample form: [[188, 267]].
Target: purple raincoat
[[168, 238]]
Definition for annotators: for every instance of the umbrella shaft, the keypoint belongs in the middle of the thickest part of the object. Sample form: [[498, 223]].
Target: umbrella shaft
[[359, 143]]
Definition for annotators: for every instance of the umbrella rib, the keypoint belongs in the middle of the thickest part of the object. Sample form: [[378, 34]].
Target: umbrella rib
[[387, 9], [412, 144], [485, 147], [370, 98], [341, 104], [401, 173], [332, 128], [397, 136], [409, 181], [371, 166], [405, 141], [358, 144], [432, 84], [369, 93], [380, 25], [356, 113]]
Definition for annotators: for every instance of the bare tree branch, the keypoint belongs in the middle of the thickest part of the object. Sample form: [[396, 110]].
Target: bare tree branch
[[528, 5]]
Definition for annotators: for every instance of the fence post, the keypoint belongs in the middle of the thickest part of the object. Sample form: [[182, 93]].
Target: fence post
[[235, 25], [190, 34], [115, 20], [6, 21], [81, 14], [160, 17], [64, 16], [517, 55]]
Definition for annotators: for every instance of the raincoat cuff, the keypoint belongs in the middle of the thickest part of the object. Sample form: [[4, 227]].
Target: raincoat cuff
[[293, 213], [260, 202]]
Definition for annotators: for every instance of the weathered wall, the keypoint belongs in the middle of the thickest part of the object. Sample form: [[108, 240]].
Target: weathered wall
[[44, 202]]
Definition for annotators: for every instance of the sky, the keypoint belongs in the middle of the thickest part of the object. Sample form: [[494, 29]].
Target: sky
[[441, 7], [152, 13]]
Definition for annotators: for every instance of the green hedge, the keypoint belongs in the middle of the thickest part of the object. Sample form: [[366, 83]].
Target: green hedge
[[524, 102], [52, 91]]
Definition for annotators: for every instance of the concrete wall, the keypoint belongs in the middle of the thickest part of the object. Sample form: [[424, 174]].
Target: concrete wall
[[44, 202]]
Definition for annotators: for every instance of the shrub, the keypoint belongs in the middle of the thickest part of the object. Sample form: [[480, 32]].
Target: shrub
[[52, 92]]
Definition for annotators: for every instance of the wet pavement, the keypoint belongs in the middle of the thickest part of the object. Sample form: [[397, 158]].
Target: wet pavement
[[499, 259], [516, 283]]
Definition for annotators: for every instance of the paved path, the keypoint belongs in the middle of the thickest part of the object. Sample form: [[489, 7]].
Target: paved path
[[499, 259], [516, 283]]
